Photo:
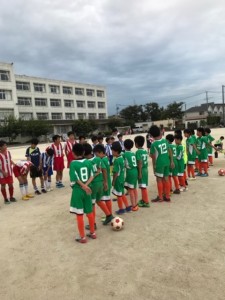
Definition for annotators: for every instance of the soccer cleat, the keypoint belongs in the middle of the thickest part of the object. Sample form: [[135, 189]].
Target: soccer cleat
[[157, 199], [176, 192], [59, 186], [141, 203], [198, 174], [25, 198], [128, 208], [186, 182], [166, 199], [88, 227], [192, 178], [114, 199], [205, 175], [135, 208], [37, 192], [12, 199], [182, 189], [108, 219], [29, 196], [6, 201], [81, 240], [185, 189], [103, 218], [92, 235], [43, 191], [48, 190], [120, 211], [146, 204]]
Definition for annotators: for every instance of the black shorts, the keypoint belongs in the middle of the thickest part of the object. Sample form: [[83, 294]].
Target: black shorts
[[35, 172]]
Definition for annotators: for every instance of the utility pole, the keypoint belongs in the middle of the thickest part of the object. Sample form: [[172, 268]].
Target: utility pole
[[223, 104], [207, 100]]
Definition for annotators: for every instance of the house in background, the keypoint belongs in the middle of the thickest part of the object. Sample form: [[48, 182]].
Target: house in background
[[196, 114]]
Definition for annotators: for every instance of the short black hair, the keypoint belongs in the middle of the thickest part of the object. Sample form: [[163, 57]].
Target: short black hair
[[78, 149], [178, 137], [201, 129], [192, 131], [99, 149], [178, 132], [81, 137], [50, 151], [55, 137], [116, 147], [108, 138], [139, 140], [222, 137], [170, 138], [2, 143], [100, 137], [114, 130], [119, 135], [154, 131], [128, 144], [207, 130], [87, 149], [34, 141], [188, 131], [69, 133], [94, 138]]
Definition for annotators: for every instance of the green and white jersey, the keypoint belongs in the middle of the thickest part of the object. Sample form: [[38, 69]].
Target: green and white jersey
[[180, 160], [210, 139], [80, 169], [173, 172], [118, 167], [180, 152], [202, 147], [130, 160], [142, 154], [160, 148], [97, 164], [106, 165], [190, 149]]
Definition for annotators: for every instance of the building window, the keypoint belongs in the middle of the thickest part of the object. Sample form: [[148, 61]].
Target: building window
[[101, 104], [90, 92], [5, 113], [5, 95], [70, 116], [56, 116], [81, 116], [40, 102], [54, 89], [55, 102], [39, 87], [79, 91], [22, 86], [68, 103], [25, 101], [67, 90], [100, 93], [26, 116], [91, 104], [81, 104], [42, 116], [4, 75], [101, 116], [92, 116]]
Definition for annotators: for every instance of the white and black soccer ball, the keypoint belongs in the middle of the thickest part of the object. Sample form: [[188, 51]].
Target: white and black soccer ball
[[117, 223]]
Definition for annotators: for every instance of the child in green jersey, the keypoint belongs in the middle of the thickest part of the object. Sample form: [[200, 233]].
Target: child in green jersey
[[118, 179], [202, 144], [131, 173], [99, 151], [174, 171], [142, 164], [80, 176], [180, 162], [191, 153], [209, 149], [97, 183], [162, 160]]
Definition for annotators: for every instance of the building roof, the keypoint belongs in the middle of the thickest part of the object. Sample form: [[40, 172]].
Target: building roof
[[203, 107]]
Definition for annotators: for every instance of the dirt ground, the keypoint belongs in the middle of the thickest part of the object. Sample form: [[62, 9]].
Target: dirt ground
[[169, 251]]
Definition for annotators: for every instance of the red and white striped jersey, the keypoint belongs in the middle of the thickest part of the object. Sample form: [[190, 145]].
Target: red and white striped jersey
[[23, 166], [5, 163], [69, 146], [58, 150]]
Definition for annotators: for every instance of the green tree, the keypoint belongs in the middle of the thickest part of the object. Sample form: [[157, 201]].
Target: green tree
[[153, 111], [36, 128], [114, 123], [213, 120], [84, 127], [173, 111], [134, 113], [11, 128]]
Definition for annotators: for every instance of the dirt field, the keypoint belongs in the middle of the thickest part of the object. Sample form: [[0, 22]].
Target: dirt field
[[169, 251]]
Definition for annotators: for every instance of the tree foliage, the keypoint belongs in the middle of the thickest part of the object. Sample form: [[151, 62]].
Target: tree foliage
[[36, 128], [213, 120], [114, 123], [11, 128], [84, 127]]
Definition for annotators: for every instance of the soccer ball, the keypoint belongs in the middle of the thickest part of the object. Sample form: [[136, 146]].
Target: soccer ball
[[117, 223], [221, 172]]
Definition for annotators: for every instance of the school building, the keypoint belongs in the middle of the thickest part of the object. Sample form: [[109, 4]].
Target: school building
[[60, 101]]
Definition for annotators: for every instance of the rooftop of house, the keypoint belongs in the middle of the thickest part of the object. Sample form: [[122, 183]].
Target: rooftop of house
[[203, 107]]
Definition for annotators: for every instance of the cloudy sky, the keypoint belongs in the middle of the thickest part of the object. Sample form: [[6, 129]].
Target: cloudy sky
[[142, 51]]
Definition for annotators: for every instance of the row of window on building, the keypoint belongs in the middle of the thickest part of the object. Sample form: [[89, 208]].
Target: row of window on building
[[54, 89], [54, 116]]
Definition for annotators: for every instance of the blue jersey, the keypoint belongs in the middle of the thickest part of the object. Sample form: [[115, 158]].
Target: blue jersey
[[46, 160], [34, 155]]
